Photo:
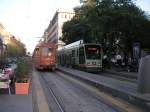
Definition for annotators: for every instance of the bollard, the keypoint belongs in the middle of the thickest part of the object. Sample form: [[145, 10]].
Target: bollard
[[144, 75]]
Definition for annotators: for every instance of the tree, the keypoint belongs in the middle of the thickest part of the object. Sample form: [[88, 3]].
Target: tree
[[75, 30], [109, 21], [15, 49]]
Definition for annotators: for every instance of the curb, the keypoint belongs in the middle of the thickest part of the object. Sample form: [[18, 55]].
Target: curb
[[39, 99]]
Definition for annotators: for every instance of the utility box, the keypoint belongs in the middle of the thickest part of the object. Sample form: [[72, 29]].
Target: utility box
[[144, 75]]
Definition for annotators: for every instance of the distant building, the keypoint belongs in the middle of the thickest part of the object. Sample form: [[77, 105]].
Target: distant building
[[1, 27], [1, 33], [54, 31], [9, 42], [2, 45]]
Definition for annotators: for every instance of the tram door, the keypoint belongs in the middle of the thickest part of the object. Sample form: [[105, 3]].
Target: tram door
[[77, 56], [73, 57], [81, 55]]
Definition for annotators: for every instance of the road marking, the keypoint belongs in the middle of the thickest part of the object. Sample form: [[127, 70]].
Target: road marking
[[109, 99]]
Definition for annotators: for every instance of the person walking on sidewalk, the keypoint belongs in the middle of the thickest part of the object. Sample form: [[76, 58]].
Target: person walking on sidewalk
[[119, 60], [105, 61]]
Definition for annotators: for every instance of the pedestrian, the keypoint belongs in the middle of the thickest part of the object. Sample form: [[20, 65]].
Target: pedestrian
[[105, 60], [119, 60]]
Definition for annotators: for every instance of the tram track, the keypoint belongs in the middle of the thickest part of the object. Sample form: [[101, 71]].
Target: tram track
[[65, 93], [79, 97], [133, 106], [58, 106], [119, 105]]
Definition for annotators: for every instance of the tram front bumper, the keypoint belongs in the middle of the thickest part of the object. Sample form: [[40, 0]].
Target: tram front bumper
[[93, 69]]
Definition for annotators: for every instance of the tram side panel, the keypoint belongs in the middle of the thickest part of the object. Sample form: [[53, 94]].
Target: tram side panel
[[87, 57], [36, 57]]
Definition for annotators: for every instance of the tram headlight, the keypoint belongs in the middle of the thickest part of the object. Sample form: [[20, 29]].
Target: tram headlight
[[49, 54], [88, 63], [99, 64], [93, 63]]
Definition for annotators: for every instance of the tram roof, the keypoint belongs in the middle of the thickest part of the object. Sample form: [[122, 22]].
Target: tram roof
[[77, 43]]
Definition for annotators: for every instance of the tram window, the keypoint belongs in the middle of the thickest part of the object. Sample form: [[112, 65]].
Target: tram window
[[36, 51], [73, 53], [77, 52], [81, 55], [93, 52], [46, 51]]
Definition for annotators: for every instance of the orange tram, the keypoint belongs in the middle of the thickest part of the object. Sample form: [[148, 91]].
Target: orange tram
[[44, 56]]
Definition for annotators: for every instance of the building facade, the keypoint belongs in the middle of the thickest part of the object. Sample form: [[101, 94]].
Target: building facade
[[1, 33], [2, 46], [9, 44], [54, 31]]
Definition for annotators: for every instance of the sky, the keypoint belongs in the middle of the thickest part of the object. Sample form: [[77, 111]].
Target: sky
[[29, 18]]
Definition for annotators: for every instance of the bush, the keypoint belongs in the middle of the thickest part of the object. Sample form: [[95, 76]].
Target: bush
[[23, 70]]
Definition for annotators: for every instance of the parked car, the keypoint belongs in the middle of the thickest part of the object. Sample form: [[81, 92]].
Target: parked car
[[9, 70], [3, 76]]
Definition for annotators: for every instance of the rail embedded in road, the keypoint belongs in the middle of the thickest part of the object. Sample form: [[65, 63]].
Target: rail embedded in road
[[71, 96], [53, 94], [115, 102]]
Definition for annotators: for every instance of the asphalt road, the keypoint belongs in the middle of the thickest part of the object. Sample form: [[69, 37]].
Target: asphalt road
[[71, 96]]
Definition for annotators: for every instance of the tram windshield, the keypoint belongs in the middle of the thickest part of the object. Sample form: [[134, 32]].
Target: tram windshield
[[46, 51], [92, 51]]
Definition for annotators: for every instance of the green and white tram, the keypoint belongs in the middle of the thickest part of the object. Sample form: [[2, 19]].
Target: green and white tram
[[86, 56]]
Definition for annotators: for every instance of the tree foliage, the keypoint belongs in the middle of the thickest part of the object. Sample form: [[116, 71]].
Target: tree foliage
[[15, 49], [107, 20]]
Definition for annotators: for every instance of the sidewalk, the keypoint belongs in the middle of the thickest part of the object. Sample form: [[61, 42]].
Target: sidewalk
[[15, 103], [35, 101], [133, 75]]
